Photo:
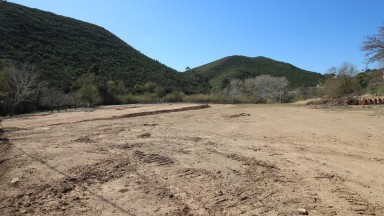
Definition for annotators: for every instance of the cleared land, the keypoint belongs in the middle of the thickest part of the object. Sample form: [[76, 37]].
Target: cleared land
[[223, 160]]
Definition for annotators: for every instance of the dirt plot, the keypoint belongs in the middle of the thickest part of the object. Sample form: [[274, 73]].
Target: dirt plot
[[222, 160]]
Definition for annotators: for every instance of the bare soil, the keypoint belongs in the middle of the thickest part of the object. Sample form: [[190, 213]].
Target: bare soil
[[222, 160]]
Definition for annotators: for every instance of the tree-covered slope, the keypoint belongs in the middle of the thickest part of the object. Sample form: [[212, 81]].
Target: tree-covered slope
[[64, 48], [239, 67]]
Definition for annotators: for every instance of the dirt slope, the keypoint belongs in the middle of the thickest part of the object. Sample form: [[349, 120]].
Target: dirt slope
[[224, 160]]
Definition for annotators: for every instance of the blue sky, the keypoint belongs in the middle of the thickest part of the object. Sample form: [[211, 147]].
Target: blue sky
[[313, 35]]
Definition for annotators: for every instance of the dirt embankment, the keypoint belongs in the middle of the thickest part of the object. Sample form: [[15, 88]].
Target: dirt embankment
[[225, 160]]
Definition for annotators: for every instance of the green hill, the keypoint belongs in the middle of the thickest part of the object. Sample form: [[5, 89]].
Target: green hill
[[239, 67], [64, 48]]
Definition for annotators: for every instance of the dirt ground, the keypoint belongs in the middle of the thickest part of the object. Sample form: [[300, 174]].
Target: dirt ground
[[222, 160]]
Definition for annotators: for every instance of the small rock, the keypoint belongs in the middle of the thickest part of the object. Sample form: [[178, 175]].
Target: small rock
[[218, 172], [302, 211], [83, 209], [15, 181], [66, 189], [72, 179], [144, 135], [171, 196], [243, 198], [220, 193]]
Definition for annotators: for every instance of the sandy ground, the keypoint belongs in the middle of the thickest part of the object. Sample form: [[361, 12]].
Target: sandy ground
[[223, 160]]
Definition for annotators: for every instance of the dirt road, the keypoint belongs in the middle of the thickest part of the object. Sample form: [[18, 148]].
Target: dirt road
[[224, 160]]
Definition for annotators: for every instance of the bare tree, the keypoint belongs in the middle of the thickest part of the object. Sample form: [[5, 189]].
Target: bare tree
[[235, 90], [261, 89], [279, 89], [265, 88], [23, 82], [374, 47], [343, 83], [54, 99]]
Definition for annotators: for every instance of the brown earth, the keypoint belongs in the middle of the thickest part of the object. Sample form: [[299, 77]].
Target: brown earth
[[223, 160]]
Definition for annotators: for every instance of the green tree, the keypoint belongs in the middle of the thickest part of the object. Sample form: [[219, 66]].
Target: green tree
[[90, 94], [149, 87], [74, 98], [121, 87], [66, 80], [138, 89], [362, 79], [112, 87], [89, 79], [160, 92]]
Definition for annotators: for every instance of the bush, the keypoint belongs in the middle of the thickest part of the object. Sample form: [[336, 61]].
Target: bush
[[143, 98], [174, 97], [306, 93], [216, 98], [261, 89], [343, 83]]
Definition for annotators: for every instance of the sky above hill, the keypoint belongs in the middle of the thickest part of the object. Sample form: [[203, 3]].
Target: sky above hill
[[311, 34]]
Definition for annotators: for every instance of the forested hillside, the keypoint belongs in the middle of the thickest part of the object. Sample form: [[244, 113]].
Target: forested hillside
[[220, 72], [64, 48], [48, 61]]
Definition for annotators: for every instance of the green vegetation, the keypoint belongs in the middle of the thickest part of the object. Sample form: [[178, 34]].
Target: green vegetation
[[63, 49], [74, 63], [79, 62], [345, 81], [342, 82], [373, 81], [220, 72]]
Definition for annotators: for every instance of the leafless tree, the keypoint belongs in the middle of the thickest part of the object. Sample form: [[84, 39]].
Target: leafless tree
[[52, 99], [234, 92], [279, 89], [261, 89], [266, 88], [23, 82], [374, 47]]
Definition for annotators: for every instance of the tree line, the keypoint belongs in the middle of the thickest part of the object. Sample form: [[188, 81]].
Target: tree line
[[23, 89]]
